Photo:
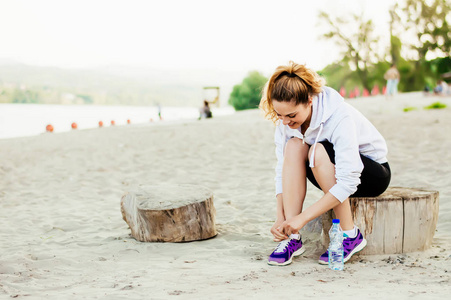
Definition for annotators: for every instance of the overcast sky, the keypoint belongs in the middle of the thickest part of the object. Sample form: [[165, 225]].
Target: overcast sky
[[229, 35]]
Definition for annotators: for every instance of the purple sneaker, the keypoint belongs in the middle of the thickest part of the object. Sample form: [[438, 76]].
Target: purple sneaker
[[350, 247], [285, 251]]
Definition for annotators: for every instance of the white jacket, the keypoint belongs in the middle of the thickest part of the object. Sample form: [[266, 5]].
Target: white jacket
[[347, 130]]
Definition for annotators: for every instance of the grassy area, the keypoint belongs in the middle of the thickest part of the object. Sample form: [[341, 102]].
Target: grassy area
[[436, 105], [409, 108]]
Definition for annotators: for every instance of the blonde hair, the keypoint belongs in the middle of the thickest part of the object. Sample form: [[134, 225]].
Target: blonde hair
[[292, 83]]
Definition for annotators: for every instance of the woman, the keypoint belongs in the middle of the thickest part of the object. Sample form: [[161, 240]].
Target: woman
[[322, 138]]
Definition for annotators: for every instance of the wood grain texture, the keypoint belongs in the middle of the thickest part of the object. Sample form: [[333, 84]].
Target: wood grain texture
[[169, 213], [398, 221]]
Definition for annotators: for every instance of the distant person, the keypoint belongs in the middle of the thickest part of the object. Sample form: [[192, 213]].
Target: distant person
[[392, 76], [321, 138], [159, 111], [205, 111], [441, 89]]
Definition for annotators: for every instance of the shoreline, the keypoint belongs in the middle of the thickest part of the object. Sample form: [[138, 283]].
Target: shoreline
[[24, 120]]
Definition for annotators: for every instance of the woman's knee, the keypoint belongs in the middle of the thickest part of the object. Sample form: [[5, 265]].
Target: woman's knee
[[321, 155], [296, 146]]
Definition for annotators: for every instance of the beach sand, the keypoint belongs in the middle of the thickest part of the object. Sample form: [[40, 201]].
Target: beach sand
[[62, 235]]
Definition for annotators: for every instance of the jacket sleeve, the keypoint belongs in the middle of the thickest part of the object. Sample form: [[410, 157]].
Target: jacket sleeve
[[348, 164], [278, 140]]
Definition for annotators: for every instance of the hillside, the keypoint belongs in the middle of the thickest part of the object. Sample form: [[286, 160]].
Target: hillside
[[118, 85]]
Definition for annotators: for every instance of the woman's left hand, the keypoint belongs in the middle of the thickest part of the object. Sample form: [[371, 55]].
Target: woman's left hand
[[292, 225]]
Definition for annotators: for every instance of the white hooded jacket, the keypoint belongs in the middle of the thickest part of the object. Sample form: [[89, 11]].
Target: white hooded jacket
[[350, 133]]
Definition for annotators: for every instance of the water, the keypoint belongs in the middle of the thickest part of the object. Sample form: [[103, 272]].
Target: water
[[336, 246], [18, 120]]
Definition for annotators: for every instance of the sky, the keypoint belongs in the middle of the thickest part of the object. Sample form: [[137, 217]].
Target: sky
[[176, 34]]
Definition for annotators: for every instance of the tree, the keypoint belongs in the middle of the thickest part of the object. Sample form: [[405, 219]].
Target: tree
[[359, 48], [247, 94], [425, 25], [339, 74], [429, 23], [395, 42]]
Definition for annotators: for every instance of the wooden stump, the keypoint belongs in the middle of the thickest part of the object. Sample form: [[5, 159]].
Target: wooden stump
[[169, 213], [398, 221]]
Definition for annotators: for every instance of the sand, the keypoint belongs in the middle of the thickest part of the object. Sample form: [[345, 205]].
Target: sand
[[63, 237]]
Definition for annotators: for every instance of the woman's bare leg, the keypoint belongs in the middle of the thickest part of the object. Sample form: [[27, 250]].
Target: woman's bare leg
[[294, 181], [324, 172]]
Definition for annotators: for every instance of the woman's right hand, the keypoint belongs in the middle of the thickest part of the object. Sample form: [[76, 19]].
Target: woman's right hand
[[276, 231]]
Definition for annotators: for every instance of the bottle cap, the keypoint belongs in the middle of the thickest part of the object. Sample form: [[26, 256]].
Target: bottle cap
[[336, 221]]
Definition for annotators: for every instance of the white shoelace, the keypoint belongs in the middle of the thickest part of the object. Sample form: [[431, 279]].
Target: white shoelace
[[283, 244]]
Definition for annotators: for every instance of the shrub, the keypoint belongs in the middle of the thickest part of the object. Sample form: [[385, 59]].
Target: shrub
[[247, 94]]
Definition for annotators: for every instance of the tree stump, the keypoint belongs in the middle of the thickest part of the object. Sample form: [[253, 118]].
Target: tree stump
[[398, 221], [169, 213]]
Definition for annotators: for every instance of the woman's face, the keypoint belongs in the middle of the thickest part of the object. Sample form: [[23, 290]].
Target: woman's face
[[293, 115]]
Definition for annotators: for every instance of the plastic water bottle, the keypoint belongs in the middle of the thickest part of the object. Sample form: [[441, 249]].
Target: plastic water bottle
[[336, 246]]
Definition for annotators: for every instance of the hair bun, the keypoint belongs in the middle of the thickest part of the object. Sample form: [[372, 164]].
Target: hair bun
[[281, 88]]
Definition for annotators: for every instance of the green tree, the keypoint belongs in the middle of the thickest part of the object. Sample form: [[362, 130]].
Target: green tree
[[339, 74], [247, 94], [395, 42], [358, 47], [427, 24], [419, 31]]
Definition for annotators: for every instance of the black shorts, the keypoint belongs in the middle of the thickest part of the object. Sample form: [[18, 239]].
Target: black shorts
[[374, 179]]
